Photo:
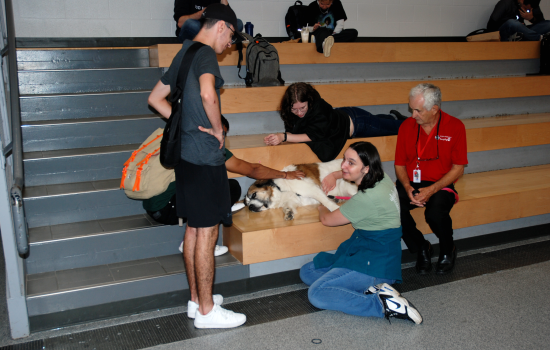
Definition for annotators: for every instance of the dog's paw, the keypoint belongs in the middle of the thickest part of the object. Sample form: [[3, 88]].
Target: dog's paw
[[332, 206], [289, 214]]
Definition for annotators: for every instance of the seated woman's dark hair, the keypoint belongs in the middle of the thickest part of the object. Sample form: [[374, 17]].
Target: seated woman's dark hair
[[297, 92], [369, 157]]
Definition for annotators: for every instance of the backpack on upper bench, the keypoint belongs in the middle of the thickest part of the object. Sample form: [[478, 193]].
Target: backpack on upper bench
[[296, 18], [262, 62]]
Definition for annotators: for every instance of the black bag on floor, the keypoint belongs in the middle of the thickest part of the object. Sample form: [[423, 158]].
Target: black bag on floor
[[296, 18], [262, 63], [170, 146], [545, 55]]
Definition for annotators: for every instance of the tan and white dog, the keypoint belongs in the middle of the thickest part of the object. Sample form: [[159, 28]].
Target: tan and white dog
[[291, 194]]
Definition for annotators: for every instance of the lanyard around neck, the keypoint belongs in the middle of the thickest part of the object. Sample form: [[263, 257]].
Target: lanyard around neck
[[420, 152]]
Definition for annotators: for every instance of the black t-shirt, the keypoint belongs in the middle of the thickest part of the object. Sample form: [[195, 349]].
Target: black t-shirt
[[188, 7], [327, 128], [326, 18]]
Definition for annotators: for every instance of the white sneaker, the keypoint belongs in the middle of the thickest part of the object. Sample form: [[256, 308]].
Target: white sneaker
[[219, 317], [327, 45], [236, 207], [399, 307], [220, 250], [192, 307], [384, 289]]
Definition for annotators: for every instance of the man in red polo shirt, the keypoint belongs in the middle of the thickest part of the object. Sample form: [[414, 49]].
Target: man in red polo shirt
[[430, 156]]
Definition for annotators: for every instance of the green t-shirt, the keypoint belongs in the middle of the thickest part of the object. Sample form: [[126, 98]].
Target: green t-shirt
[[375, 209], [159, 201]]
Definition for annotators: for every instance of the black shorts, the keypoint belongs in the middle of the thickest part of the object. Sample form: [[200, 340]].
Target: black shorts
[[203, 194]]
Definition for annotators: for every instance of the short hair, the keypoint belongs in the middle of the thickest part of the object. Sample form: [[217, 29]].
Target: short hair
[[430, 92], [534, 3], [208, 23], [370, 157], [225, 123]]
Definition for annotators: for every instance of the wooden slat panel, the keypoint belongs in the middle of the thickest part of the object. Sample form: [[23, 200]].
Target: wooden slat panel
[[489, 136], [485, 198], [266, 99], [379, 52]]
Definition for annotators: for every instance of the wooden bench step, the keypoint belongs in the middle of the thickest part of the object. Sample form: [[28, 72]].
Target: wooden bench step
[[483, 134], [484, 198], [162, 55], [267, 99]]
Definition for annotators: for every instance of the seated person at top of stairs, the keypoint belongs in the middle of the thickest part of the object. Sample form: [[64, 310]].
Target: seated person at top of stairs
[[430, 156], [356, 279], [509, 17], [162, 207], [328, 17], [187, 14], [310, 119]]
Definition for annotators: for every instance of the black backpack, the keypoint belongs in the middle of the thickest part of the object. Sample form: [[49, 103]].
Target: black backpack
[[170, 145], [262, 62], [296, 18]]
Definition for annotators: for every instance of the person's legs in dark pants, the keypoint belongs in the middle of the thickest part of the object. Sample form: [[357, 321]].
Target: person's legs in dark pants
[[346, 36], [320, 35], [366, 124], [413, 238], [513, 26], [438, 210]]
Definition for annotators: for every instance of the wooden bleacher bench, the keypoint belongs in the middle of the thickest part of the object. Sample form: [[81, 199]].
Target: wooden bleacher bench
[[162, 55], [484, 197]]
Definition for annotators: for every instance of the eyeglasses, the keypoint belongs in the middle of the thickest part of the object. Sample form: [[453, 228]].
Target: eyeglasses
[[301, 109], [234, 36], [437, 143]]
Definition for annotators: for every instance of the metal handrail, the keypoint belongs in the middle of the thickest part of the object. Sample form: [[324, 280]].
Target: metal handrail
[[16, 192]]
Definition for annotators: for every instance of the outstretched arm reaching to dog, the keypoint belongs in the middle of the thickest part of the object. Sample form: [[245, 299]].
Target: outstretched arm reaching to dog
[[258, 171]]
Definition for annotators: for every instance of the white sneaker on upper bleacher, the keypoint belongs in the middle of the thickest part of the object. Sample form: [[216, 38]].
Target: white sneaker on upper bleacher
[[219, 317], [192, 307], [327, 45], [218, 250], [236, 207]]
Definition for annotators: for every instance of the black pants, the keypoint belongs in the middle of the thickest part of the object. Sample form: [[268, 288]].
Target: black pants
[[169, 216], [345, 36], [437, 215]]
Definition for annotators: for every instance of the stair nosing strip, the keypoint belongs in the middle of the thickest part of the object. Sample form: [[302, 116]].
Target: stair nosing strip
[[92, 235], [70, 193], [82, 94]]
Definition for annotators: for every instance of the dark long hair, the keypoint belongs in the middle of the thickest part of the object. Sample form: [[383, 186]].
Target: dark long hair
[[369, 157], [297, 92]]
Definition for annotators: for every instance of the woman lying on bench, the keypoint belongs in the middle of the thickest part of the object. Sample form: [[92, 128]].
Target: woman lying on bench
[[356, 279], [310, 119]]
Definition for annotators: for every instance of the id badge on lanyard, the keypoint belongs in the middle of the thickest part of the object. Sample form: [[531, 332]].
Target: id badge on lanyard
[[417, 173]]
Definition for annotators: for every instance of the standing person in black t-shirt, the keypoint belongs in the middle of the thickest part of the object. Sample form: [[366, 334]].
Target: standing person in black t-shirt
[[328, 17], [187, 14]]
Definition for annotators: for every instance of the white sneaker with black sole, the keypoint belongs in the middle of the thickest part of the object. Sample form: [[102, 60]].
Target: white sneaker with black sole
[[399, 307], [219, 317], [192, 307], [218, 249]]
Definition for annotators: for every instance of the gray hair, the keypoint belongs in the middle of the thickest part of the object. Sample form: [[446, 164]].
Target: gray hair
[[430, 92]]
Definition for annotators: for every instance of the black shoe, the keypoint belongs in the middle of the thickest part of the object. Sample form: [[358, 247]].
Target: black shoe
[[446, 263], [424, 259], [398, 115]]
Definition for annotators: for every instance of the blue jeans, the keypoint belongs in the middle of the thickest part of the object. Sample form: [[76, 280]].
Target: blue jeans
[[366, 124], [191, 28], [343, 290], [530, 33]]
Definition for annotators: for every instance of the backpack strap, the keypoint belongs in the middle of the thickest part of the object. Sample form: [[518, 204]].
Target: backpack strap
[[185, 66]]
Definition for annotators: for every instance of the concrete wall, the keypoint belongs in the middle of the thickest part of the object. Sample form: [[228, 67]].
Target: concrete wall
[[142, 18]]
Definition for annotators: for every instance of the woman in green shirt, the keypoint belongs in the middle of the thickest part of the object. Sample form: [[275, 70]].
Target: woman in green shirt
[[356, 279]]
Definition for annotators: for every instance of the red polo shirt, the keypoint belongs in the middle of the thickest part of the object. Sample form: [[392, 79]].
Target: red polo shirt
[[451, 143]]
